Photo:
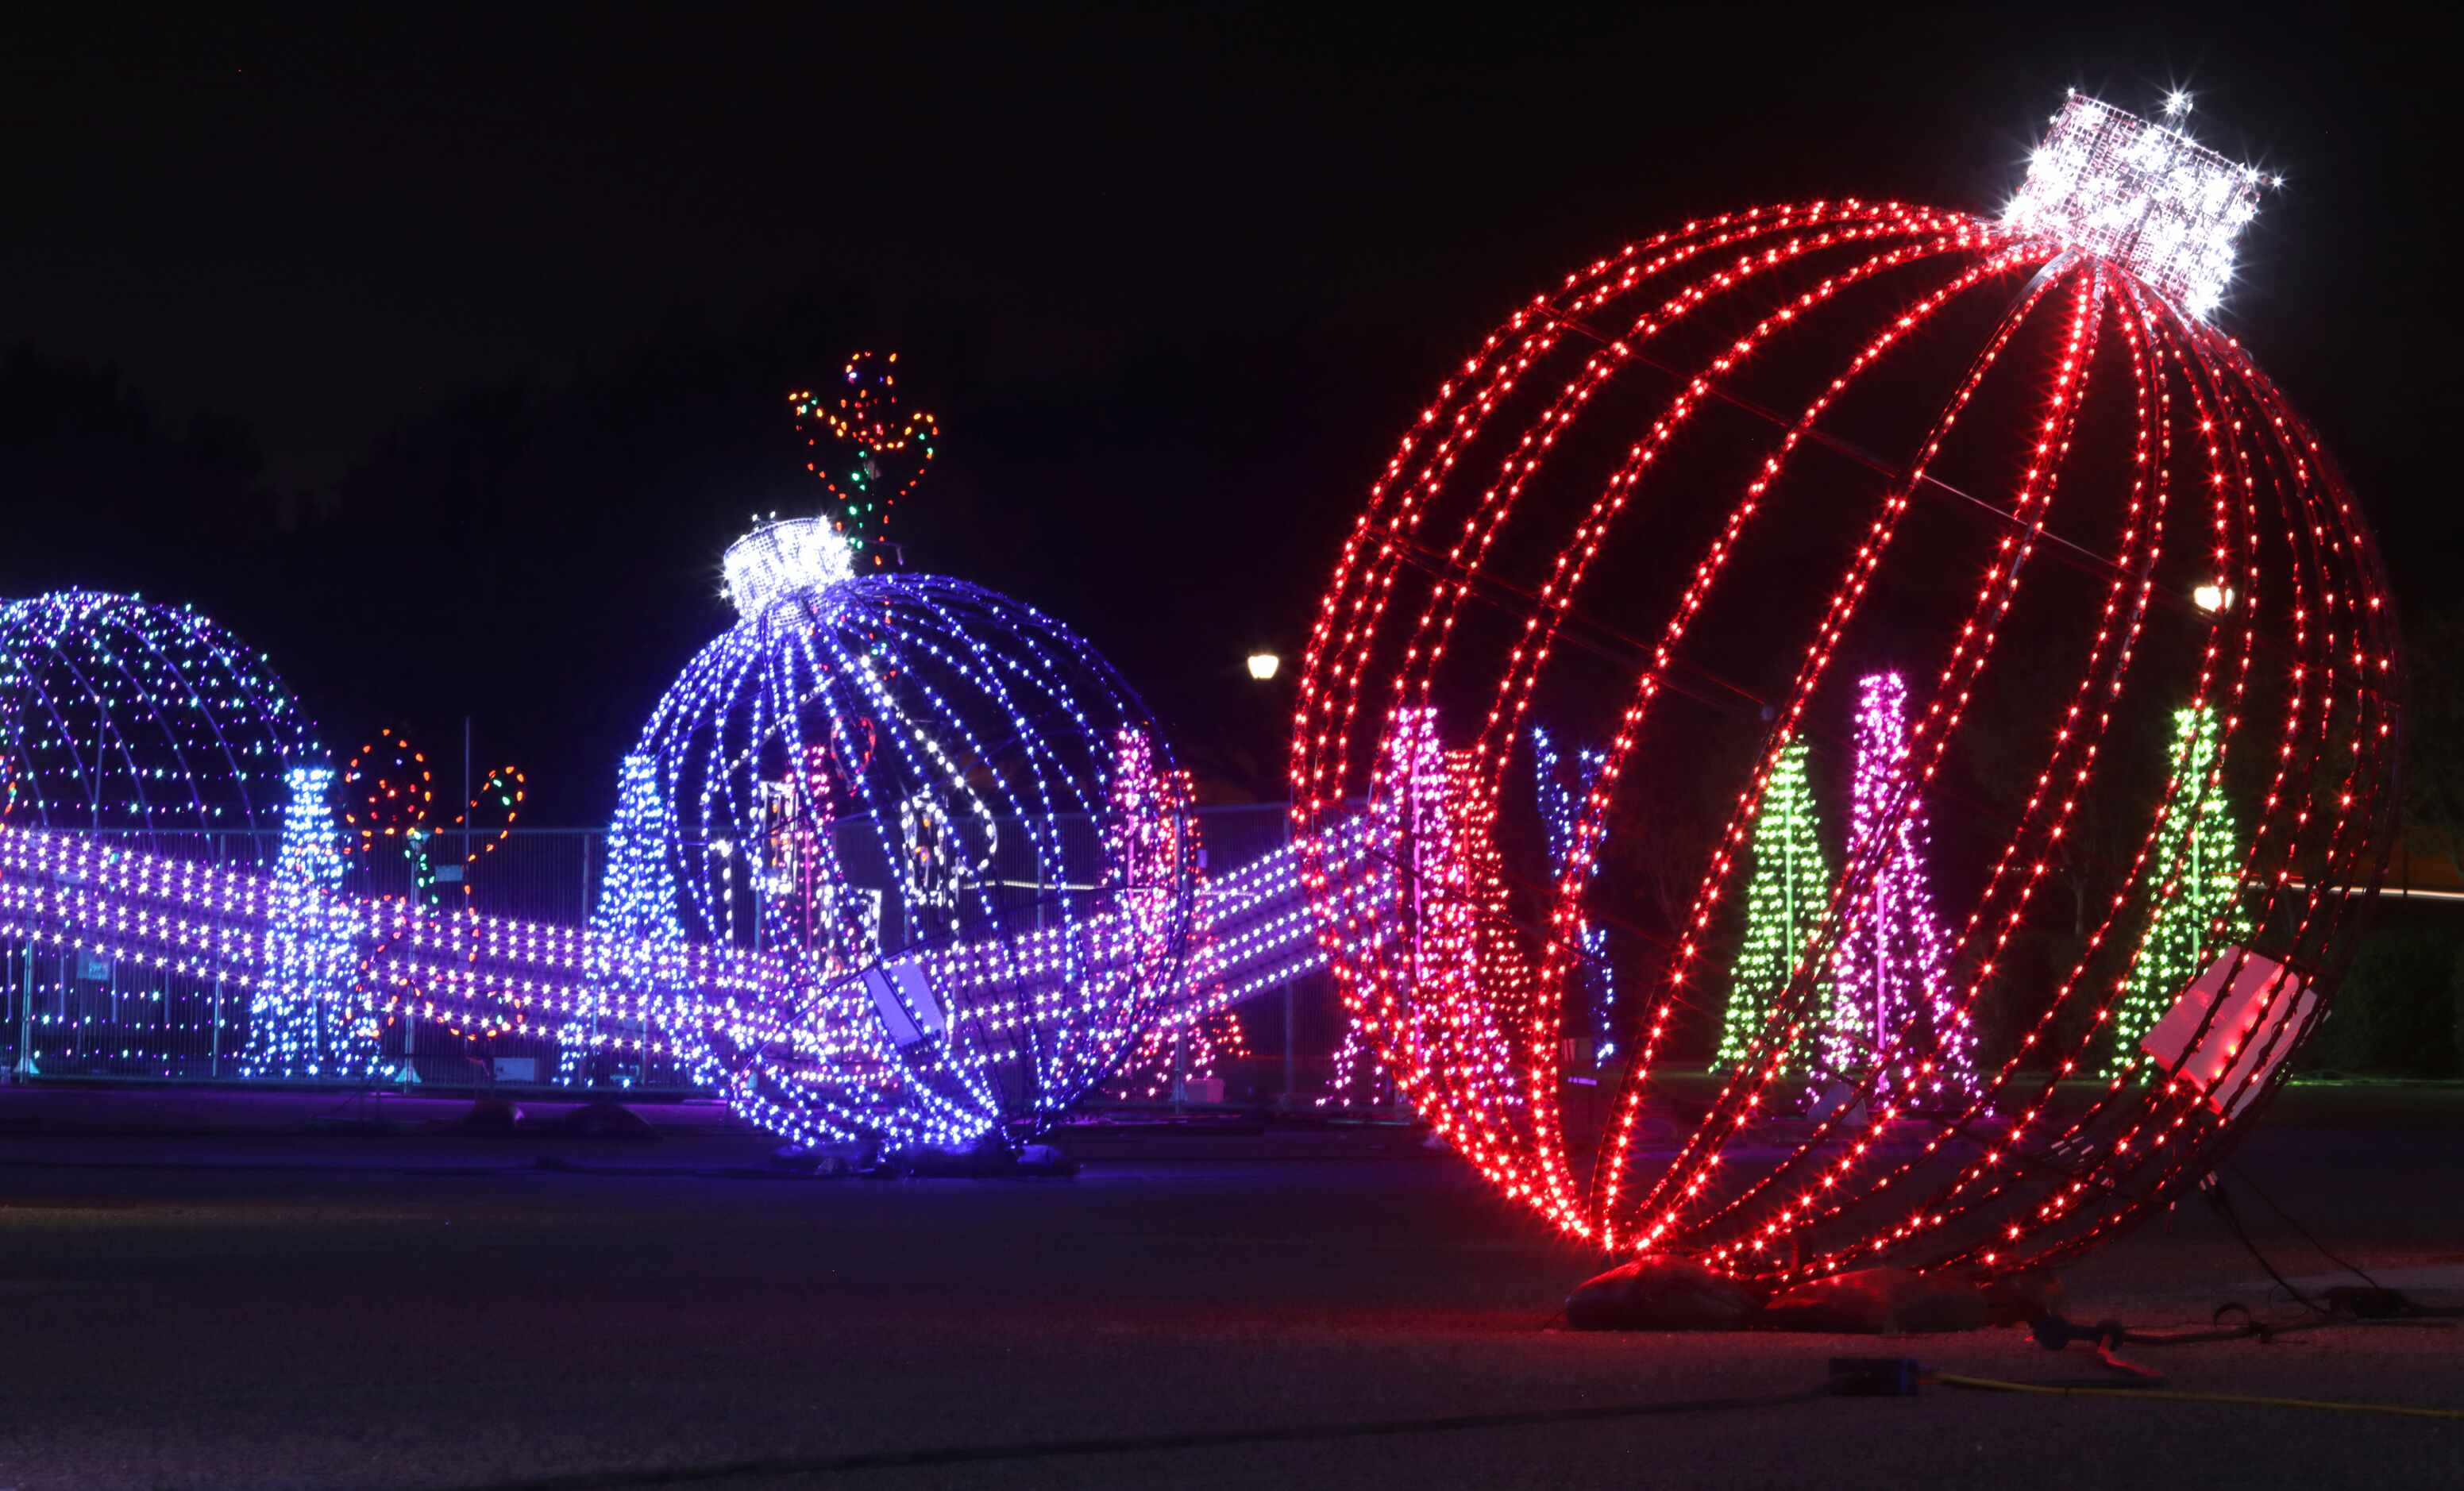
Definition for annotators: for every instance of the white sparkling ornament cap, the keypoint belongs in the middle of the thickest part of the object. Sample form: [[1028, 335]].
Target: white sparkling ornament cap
[[2142, 194], [781, 560]]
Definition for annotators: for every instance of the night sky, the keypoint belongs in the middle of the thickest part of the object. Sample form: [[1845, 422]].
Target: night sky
[[441, 361]]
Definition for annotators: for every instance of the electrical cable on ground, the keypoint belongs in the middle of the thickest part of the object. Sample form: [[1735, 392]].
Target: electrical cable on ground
[[2323, 1251], [1150, 1443], [2173, 1396], [1882, 1377], [2373, 1302], [2213, 1189]]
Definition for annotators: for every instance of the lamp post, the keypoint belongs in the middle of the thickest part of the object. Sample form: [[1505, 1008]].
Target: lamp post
[[1264, 666]]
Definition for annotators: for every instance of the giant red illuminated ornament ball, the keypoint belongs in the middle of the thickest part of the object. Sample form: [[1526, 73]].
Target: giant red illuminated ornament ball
[[1692, 495]]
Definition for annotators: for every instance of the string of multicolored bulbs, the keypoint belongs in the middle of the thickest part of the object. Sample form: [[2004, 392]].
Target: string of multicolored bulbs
[[876, 453], [389, 792]]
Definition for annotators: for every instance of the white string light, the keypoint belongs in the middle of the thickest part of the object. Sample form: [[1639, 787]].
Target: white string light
[[2142, 194]]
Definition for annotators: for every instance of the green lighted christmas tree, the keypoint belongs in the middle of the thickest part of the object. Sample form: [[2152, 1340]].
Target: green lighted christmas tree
[[2193, 868], [1784, 902]]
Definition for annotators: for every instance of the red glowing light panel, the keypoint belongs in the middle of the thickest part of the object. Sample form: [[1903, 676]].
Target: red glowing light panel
[[2230, 1018]]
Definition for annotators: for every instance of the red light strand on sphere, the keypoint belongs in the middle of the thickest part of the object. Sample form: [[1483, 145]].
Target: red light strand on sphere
[[1464, 1003]]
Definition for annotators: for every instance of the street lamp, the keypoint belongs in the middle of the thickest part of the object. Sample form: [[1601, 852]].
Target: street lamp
[[1263, 668], [2212, 598]]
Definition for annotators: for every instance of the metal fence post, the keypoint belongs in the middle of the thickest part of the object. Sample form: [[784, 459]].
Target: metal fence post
[[26, 1018], [1179, 1068], [583, 1066], [1291, 1083]]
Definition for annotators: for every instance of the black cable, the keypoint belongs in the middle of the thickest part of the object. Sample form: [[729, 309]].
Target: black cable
[[366, 1092], [2171, 1395], [1138, 1445], [2374, 1304], [2222, 1205], [2295, 1223]]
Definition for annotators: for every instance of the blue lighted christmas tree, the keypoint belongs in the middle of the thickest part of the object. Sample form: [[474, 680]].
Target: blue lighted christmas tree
[[1560, 793], [304, 1022], [637, 910]]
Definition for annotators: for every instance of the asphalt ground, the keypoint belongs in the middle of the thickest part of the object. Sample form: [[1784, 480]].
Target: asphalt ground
[[264, 1304]]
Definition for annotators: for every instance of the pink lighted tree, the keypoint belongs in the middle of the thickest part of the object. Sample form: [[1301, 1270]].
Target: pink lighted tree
[[1892, 1012]]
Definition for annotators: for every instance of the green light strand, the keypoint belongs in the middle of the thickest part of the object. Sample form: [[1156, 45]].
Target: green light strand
[[1784, 902], [2198, 851]]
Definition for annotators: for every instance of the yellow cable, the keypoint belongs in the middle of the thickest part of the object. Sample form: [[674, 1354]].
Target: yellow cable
[[1996, 1385]]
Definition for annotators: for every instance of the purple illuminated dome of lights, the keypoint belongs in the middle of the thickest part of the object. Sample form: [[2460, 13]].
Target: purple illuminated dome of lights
[[121, 715], [156, 731]]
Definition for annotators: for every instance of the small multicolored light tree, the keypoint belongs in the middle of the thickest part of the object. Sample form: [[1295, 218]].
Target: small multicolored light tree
[[2193, 871], [1784, 902], [1150, 828], [1892, 1010], [1560, 791]]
